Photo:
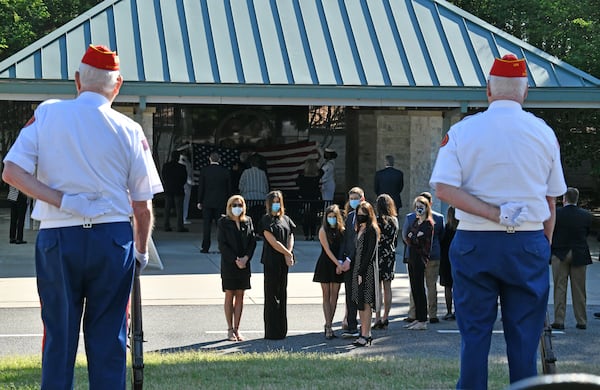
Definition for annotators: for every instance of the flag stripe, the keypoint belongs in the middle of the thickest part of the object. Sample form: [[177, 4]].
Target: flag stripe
[[284, 162]]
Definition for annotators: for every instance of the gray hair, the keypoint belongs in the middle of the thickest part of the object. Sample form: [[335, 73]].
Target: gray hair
[[508, 87], [103, 81]]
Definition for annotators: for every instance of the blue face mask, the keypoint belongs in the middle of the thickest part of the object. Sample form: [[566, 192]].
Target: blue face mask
[[332, 221], [275, 207], [354, 203]]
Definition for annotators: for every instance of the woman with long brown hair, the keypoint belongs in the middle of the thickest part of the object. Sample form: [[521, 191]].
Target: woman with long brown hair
[[365, 275], [277, 256], [328, 270]]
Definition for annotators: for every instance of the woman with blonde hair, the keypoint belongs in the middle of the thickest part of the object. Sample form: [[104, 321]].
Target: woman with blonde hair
[[235, 234], [365, 275], [328, 270], [277, 256], [419, 237]]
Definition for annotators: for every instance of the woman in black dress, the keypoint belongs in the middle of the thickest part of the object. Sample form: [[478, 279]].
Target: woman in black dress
[[388, 224], [445, 266], [277, 229], [328, 270], [420, 235], [235, 235], [365, 275]]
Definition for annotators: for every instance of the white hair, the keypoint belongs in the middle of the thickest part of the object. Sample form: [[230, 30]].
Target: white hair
[[99, 80], [513, 88]]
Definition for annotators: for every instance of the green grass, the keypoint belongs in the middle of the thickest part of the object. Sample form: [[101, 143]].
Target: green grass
[[276, 370]]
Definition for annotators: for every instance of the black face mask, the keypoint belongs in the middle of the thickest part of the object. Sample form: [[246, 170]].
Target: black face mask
[[362, 218]]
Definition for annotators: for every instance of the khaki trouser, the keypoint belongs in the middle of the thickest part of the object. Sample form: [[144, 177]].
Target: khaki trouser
[[561, 271], [432, 272]]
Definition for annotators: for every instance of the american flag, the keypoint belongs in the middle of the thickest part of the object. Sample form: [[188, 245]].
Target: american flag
[[285, 162]]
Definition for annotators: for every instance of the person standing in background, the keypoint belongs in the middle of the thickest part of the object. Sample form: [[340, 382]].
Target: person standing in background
[[277, 256], [235, 234], [388, 226], [254, 186], [501, 170], [432, 269], [570, 258], [174, 177], [214, 188], [309, 193], [90, 168], [445, 266], [18, 211], [365, 274], [390, 180], [328, 175], [184, 159], [419, 238], [346, 256]]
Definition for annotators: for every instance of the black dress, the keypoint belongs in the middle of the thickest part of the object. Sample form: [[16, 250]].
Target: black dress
[[233, 243], [366, 250], [275, 276], [325, 269], [445, 267], [387, 247]]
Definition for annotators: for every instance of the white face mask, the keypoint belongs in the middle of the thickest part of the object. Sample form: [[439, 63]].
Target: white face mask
[[237, 211]]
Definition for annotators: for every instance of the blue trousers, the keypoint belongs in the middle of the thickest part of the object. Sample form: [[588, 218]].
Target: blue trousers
[[513, 267], [89, 273]]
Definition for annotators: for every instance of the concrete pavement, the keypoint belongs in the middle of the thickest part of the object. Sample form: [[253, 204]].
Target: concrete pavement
[[192, 278], [183, 307]]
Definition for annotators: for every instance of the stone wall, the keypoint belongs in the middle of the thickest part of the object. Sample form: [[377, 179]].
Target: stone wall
[[412, 137]]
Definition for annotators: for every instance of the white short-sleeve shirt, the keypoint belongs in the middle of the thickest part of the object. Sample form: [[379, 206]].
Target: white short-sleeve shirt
[[84, 146], [504, 154]]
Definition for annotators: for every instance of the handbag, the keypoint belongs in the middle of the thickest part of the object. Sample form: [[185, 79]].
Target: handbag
[[13, 194]]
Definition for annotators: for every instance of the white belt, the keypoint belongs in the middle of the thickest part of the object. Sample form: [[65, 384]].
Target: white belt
[[81, 221], [489, 226]]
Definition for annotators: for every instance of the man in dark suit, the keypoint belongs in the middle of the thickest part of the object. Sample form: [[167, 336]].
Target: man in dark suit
[[174, 178], [570, 256], [214, 188], [390, 181]]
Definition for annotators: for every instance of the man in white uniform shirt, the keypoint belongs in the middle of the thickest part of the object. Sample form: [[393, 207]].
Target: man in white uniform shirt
[[90, 168], [501, 170]]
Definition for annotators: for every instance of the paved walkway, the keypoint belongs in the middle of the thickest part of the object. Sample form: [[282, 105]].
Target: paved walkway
[[192, 278]]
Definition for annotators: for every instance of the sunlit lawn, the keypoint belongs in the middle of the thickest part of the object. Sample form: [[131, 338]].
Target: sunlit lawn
[[275, 370]]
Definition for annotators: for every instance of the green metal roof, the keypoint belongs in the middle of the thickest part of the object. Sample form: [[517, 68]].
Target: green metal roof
[[344, 52]]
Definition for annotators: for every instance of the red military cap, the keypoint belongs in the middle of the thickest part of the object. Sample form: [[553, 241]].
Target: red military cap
[[509, 66], [101, 57]]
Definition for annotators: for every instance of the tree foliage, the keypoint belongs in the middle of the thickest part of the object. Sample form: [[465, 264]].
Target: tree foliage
[[569, 30], [22, 22]]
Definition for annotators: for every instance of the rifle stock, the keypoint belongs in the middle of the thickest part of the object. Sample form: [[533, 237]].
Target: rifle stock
[[136, 334], [547, 353]]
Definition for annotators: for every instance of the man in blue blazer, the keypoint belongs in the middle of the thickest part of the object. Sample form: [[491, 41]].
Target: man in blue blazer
[[570, 256], [214, 188], [390, 180]]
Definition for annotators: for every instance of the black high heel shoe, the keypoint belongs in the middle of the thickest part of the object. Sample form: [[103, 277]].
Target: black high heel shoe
[[378, 325], [363, 341], [384, 324]]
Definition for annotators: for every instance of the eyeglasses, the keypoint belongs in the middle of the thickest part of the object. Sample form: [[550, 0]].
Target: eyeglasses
[[237, 205]]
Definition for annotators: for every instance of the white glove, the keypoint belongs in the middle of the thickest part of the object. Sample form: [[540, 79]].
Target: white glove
[[513, 213], [141, 258], [87, 205]]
